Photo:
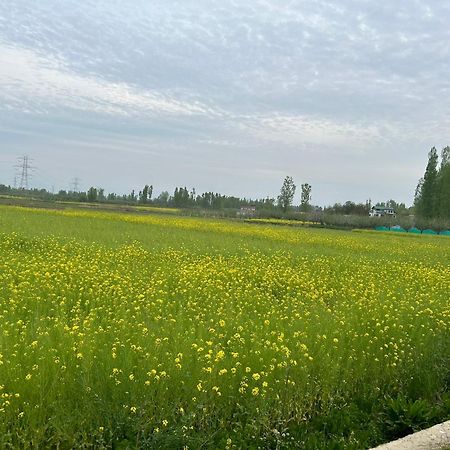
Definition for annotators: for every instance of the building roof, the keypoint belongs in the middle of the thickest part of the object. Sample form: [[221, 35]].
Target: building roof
[[382, 208]]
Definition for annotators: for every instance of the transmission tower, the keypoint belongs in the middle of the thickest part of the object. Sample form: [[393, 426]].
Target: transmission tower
[[24, 168], [75, 185]]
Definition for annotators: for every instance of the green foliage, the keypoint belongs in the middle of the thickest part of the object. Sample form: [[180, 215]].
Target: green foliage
[[349, 208], [146, 194], [426, 194], [181, 198], [305, 197], [163, 198], [443, 188], [432, 196], [92, 194], [404, 416], [132, 197], [287, 193]]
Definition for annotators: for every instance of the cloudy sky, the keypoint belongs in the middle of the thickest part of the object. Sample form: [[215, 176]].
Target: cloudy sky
[[225, 95]]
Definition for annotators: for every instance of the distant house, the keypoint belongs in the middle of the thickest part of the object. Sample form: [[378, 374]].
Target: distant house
[[381, 211], [247, 211]]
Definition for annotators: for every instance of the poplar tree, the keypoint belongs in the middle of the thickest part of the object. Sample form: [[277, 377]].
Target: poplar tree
[[427, 198], [443, 185], [305, 197], [144, 195], [286, 194], [92, 194]]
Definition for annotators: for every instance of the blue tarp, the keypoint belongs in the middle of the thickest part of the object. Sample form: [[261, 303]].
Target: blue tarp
[[414, 230], [429, 232], [445, 233], [382, 228], [398, 228]]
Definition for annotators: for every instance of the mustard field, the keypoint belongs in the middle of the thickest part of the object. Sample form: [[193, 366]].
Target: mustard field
[[158, 331]]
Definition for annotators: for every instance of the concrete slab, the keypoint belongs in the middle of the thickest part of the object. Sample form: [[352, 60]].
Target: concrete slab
[[434, 438]]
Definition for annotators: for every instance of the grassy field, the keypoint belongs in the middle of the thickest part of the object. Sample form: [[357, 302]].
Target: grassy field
[[159, 331]]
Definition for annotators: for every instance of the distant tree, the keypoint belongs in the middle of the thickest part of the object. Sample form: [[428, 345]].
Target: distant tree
[[163, 198], [286, 194], [143, 195], [132, 197], [418, 195], [205, 200], [192, 196], [181, 197], [92, 194], [101, 195], [350, 208], [62, 194], [217, 201], [443, 188], [268, 203], [445, 156], [427, 193], [305, 197]]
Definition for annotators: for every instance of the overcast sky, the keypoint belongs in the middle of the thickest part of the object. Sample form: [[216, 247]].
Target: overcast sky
[[226, 95]]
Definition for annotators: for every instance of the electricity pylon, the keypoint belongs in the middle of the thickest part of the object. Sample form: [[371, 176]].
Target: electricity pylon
[[24, 169], [75, 184]]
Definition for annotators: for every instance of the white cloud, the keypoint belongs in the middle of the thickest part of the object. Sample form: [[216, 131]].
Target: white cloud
[[304, 130], [31, 82]]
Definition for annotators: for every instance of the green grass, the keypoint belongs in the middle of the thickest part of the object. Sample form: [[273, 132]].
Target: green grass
[[132, 331]]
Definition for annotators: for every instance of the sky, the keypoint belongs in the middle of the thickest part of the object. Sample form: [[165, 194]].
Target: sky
[[227, 96]]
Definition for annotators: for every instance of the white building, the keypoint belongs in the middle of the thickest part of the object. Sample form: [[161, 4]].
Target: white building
[[247, 211], [380, 211]]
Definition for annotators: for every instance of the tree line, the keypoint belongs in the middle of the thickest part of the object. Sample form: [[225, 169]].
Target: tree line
[[431, 200], [180, 198], [184, 198]]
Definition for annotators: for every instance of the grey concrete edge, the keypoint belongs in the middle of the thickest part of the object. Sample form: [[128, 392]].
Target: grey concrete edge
[[434, 438]]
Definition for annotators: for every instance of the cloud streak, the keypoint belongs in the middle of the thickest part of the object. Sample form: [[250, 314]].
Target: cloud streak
[[34, 83]]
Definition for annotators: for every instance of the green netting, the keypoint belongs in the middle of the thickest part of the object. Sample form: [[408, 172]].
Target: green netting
[[414, 230]]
